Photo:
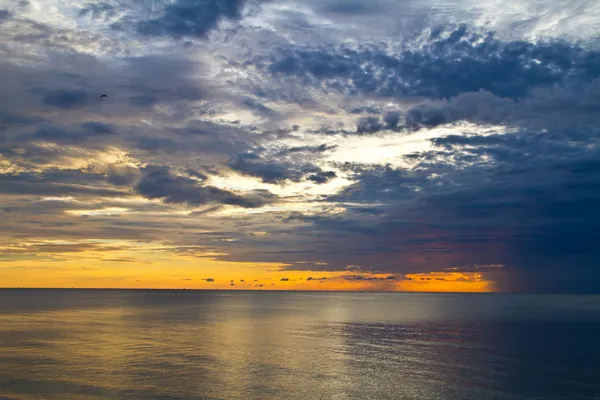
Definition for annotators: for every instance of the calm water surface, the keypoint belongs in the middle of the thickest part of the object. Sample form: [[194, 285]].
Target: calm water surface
[[151, 345]]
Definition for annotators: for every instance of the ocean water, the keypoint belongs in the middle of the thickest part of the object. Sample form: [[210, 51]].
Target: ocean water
[[151, 345]]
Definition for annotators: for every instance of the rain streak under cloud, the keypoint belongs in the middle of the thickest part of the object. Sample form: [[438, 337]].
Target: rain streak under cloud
[[382, 145]]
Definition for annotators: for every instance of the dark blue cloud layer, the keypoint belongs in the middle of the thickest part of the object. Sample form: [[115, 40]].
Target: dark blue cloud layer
[[277, 172], [159, 183], [193, 18], [528, 200], [452, 62]]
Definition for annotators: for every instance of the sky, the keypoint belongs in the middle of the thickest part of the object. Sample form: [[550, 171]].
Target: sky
[[319, 144]]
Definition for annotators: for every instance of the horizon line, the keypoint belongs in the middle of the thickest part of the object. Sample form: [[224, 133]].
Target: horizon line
[[287, 290]]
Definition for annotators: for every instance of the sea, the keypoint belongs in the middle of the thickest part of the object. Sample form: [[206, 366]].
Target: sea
[[171, 344]]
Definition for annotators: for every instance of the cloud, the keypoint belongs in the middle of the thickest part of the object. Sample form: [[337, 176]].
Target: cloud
[[50, 247], [5, 15], [98, 127], [368, 278], [209, 280], [48, 184], [454, 60], [392, 119], [191, 18], [277, 172], [156, 145], [259, 108], [269, 172], [98, 11], [308, 149], [322, 177], [369, 125], [284, 279], [8, 120], [365, 109], [122, 175], [158, 182], [64, 98], [351, 7]]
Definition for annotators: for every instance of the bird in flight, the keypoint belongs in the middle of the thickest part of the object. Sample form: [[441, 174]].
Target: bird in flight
[[103, 96]]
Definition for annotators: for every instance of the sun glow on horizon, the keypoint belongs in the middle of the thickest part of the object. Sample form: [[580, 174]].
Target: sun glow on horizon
[[100, 264]]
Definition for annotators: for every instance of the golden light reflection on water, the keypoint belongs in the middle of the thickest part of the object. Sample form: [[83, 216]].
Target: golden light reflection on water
[[114, 345], [179, 350]]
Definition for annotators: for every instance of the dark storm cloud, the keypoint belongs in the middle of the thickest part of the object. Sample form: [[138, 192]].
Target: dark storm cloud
[[98, 127], [55, 184], [391, 119], [368, 278], [155, 144], [452, 62], [322, 177], [424, 116], [532, 205], [144, 100], [158, 182], [196, 137], [122, 176], [98, 11], [381, 183], [259, 108], [196, 174], [527, 199], [369, 125], [5, 15], [277, 172], [307, 149], [8, 120], [64, 98], [73, 82], [544, 108], [268, 171], [87, 131], [191, 18], [365, 109], [351, 7]]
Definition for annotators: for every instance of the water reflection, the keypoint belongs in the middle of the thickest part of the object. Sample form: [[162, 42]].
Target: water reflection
[[270, 345]]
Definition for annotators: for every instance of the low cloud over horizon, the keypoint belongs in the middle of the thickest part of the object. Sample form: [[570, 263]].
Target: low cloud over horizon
[[382, 145]]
